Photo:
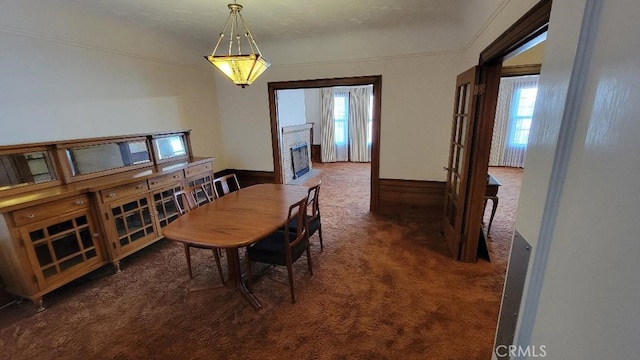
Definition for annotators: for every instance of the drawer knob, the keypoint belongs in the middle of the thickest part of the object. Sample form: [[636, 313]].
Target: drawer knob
[[112, 194], [30, 216], [140, 186], [176, 176], [152, 183], [79, 202], [95, 235]]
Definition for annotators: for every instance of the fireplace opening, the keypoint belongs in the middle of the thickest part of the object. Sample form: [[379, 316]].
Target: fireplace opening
[[300, 160]]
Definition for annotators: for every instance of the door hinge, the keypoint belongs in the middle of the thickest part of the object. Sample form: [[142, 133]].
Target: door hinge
[[479, 89], [35, 279]]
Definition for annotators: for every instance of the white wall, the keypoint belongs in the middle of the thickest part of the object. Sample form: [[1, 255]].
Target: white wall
[[418, 80], [530, 56], [415, 121], [67, 75], [313, 112], [291, 107], [152, 81], [583, 288]]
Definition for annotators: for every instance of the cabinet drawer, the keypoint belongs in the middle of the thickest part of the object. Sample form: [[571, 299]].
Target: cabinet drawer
[[198, 169], [119, 192], [44, 211], [160, 181]]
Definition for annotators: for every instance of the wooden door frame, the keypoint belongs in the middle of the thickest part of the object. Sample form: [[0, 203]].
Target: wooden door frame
[[529, 26], [276, 140]]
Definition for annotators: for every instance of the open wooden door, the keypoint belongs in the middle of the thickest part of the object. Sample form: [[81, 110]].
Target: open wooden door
[[462, 128]]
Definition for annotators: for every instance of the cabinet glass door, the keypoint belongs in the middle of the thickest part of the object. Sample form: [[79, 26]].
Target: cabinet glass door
[[134, 223], [165, 206], [62, 245]]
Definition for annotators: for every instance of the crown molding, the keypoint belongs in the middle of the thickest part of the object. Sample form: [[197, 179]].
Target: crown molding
[[83, 45], [489, 21], [371, 59]]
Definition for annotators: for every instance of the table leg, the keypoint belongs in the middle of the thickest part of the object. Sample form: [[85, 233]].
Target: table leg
[[235, 276], [494, 207]]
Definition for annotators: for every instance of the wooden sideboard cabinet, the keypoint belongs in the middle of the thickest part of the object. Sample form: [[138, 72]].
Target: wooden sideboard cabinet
[[48, 245], [100, 212]]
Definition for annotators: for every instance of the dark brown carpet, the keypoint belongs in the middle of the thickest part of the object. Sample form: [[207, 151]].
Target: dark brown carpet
[[383, 288]]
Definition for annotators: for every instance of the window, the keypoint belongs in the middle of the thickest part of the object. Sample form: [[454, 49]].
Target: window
[[522, 114], [341, 113], [341, 117], [370, 121]]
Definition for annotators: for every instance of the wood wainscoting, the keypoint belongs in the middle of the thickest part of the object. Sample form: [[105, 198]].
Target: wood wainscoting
[[405, 198], [316, 153], [247, 178], [411, 198]]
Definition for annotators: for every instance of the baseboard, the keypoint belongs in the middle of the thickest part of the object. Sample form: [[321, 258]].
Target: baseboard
[[5, 297], [411, 198]]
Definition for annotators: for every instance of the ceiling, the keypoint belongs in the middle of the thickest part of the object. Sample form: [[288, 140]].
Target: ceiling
[[202, 20]]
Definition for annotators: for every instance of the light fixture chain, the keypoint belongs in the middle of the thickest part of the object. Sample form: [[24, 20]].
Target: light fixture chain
[[238, 33], [247, 34], [226, 23], [234, 25]]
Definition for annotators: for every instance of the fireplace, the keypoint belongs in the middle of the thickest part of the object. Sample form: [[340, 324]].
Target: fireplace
[[300, 160], [294, 152]]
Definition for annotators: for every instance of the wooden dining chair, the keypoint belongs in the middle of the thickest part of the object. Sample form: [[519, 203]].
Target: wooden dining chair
[[186, 200], [225, 185], [313, 214], [283, 247]]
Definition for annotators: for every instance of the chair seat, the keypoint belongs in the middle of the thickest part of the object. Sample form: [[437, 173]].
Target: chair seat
[[283, 247], [271, 250], [314, 225]]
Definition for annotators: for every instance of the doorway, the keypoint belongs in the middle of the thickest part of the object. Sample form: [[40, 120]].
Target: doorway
[[469, 235], [276, 139], [512, 124]]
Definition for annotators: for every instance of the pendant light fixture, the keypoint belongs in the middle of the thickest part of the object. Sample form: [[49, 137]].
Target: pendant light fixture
[[240, 68]]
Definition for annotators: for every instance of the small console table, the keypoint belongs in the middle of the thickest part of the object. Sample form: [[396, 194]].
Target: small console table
[[491, 193]]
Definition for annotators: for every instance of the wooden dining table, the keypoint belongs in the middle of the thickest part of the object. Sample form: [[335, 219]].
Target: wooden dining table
[[236, 220]]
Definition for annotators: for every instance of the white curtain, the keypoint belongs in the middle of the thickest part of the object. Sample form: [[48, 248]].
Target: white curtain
[[360, 149], [345, 125], [503, 152], [327, 127], [341, 119]]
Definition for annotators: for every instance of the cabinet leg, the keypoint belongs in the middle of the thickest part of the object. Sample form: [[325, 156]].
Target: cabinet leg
[[39, 304], [116, 267]]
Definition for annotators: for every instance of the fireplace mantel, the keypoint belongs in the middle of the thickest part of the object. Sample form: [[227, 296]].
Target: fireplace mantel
[[297, 128], [292, 136]]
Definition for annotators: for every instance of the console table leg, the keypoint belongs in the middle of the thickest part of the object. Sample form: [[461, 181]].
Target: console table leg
[[493, 212]]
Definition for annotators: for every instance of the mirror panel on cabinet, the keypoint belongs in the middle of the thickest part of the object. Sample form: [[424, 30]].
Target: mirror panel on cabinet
[[96, 159], [26, 168], [170, 148]]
